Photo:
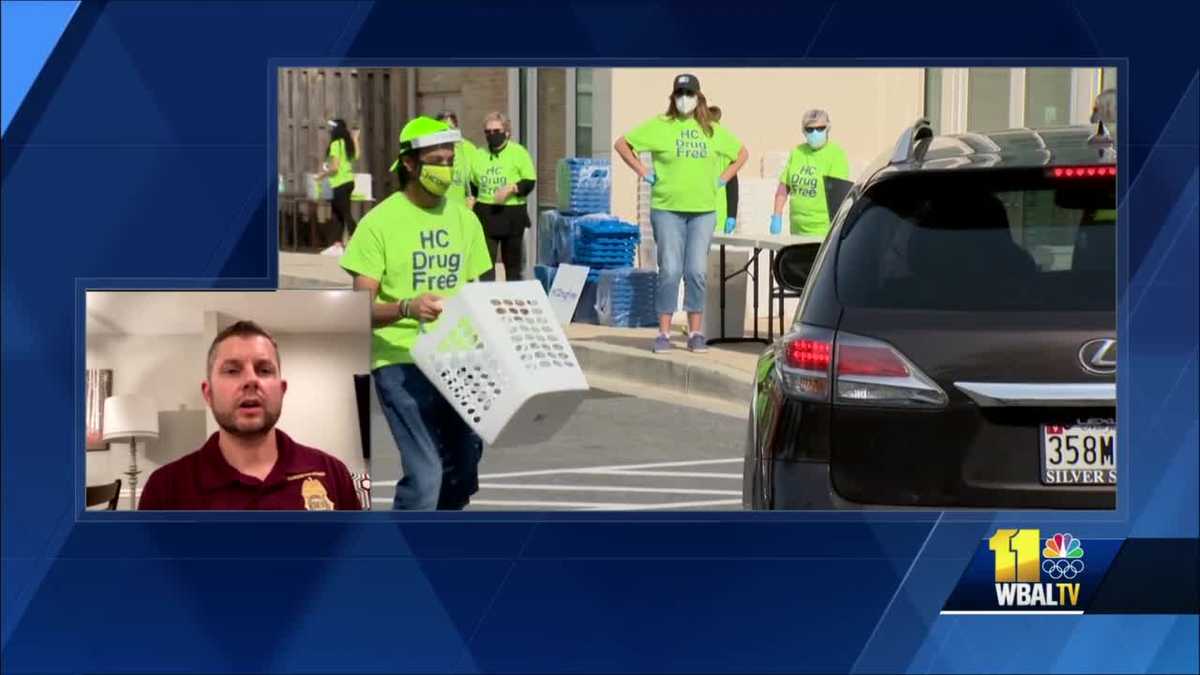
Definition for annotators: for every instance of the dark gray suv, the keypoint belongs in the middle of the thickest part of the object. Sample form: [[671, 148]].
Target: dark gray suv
[[955, 342]]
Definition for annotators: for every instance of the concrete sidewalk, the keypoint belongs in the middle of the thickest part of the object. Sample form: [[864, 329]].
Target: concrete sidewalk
[[311, 270], [617, 356], [725, 372]]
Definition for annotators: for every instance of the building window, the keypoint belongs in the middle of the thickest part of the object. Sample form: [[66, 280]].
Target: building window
[[988, 93], [583, 112], [1047, 97]]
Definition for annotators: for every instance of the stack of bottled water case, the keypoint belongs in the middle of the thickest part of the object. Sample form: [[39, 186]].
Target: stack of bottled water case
[[596, 240], [599, 241], [625, 297], [584, 185]]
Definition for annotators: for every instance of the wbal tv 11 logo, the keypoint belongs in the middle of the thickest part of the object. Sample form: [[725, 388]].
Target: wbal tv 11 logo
[[1036, 574], [1020, 571]]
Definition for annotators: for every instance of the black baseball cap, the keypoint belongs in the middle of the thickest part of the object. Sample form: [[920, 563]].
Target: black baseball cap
[[687, 82]]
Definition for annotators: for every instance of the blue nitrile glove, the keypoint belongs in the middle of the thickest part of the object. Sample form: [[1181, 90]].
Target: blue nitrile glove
[[776, 223], [720, 183], [651, 178], [730, 223]]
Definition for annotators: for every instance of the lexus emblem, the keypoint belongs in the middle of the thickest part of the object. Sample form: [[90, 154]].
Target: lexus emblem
[[1099, 356]]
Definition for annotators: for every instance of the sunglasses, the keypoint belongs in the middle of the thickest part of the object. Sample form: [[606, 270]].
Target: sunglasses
[[809, 130], [681, 92]]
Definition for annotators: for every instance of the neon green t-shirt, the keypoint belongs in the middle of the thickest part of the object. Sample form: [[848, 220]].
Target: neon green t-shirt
[[345, 171], [464, 151], [804, 176], [411, 251], [685, 161], [464, 154], [493, 171]]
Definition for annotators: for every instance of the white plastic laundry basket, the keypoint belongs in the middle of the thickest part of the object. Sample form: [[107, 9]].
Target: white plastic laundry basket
[[498, 355]]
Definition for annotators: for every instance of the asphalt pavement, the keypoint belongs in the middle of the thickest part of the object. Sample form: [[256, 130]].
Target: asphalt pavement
[[617, 452]]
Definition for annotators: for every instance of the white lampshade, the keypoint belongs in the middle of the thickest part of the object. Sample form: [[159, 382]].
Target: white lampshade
[[129, 416]]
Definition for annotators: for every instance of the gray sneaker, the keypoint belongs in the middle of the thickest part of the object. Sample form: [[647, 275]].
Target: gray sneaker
[[662, 343], [697, 343]]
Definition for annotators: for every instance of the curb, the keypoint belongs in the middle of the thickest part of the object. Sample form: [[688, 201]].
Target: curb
[[708, 380]]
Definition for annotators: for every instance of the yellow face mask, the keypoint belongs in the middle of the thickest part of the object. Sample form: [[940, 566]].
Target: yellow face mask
[[436, 178]]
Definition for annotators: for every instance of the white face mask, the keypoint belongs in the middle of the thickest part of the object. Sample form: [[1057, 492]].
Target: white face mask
[[685, 104]]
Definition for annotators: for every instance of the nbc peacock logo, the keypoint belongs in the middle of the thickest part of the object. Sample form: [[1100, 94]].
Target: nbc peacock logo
[[1062, 558]]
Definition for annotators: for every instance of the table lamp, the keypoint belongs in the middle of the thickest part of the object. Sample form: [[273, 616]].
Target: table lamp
[[128, 418]]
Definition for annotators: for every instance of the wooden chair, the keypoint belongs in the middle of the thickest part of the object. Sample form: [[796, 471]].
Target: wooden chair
[[99, 494]]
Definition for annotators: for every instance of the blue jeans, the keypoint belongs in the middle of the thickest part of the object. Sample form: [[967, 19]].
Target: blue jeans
[[438, 451], [683, 240]]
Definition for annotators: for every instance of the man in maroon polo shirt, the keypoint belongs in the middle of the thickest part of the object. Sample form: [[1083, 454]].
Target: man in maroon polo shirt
[[249, 464]]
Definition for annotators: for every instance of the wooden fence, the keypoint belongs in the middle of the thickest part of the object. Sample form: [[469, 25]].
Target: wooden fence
[[372, 100]]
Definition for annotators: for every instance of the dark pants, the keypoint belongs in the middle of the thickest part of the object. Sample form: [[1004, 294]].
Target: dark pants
[[510, 251], [505, 229], [341, 210]]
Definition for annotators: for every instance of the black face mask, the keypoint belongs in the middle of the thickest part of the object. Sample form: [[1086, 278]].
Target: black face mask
[[495, 139]]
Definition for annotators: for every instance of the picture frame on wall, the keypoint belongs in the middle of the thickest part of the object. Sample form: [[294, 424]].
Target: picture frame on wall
[[99, 387]]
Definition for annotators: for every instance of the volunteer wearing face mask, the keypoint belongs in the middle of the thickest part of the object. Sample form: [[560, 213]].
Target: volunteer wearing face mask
[[464, 150], [692, 159], [339, 168], [503, 176], [412, 250], [727, 196], [803, 179]]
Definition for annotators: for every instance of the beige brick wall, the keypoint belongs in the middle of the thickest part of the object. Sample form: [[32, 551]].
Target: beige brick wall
[[484, 90], [551, 132], [471, 92]]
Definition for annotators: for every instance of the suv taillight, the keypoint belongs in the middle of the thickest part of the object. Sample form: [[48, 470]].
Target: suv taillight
[[872, 372], [864, 371], [803, 359]]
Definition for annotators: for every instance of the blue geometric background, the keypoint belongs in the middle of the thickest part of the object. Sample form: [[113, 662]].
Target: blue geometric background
[[141, 156]]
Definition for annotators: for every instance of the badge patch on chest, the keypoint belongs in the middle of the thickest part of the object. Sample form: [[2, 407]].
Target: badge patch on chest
[[315, 496]]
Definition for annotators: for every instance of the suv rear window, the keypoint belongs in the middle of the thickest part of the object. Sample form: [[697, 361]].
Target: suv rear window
[[978, 240]]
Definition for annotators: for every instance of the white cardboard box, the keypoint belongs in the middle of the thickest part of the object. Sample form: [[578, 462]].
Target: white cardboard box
[[322, 192]]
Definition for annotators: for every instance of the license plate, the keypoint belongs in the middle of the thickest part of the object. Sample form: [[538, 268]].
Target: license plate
[[1079, 454]]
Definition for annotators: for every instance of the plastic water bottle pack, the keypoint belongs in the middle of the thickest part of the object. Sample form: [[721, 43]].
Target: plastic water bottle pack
[[625, 297], [584, 185]]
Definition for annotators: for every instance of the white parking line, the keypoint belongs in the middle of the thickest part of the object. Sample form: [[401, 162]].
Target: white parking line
[[601, 469], [669, 474], [589, 506], [521, 503], [683, 505], [604, 488], [615, 470], [524, 503]]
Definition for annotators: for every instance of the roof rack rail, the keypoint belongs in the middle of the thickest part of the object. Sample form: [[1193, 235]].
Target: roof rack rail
[[906, 145]]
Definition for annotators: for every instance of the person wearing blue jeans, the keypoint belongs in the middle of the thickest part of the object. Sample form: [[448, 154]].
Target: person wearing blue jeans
[[683, 241], [693, 157], [440, 454]]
